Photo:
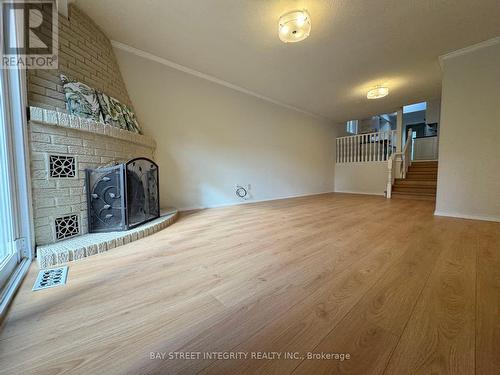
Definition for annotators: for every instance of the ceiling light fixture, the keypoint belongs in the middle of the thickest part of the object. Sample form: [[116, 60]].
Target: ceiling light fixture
[[294, 26], [378, 92]]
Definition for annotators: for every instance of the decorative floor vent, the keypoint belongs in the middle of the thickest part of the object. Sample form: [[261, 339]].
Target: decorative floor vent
[[122, 196], [62, 166], [51, 277], [67, 226]]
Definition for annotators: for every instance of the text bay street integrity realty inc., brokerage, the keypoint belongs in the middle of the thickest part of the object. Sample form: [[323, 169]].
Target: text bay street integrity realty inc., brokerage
[[189, 356]]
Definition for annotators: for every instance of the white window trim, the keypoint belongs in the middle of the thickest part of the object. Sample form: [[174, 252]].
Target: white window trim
[[15, 98]]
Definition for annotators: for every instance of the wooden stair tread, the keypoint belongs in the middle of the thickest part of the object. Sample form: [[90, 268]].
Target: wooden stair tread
[[425, 178], [415, 182], [422, 169], [424, 190], [413, 196], [416, 176], [415, 191], [422, 187], [420, 182]]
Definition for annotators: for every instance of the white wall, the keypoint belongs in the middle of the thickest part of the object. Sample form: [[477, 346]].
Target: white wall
[[469, 149], [361, 178], [210, 138], [433, 111]]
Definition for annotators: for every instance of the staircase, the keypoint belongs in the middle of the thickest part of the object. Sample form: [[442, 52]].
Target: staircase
[[420, 182]]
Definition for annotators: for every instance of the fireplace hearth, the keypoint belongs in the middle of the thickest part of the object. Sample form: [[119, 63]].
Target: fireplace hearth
[[122, 196]]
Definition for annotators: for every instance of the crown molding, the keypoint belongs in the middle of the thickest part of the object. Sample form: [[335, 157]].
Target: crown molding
[[468, 49], [207, 77]]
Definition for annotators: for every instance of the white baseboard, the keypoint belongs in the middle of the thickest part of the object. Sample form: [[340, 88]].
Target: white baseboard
[[359, 192], [466, 216], [191, 208]]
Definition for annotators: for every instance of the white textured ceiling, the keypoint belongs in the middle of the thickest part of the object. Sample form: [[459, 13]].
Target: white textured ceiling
[[354, 44]]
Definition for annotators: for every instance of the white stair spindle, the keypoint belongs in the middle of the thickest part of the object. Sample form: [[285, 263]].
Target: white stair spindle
[[363, 147], [369, 147], [356, 155], [356, 141], [374, 147], [346, 140], [350, 149], [344, 150], [386, 145], [353, 149], [337, 150], [341, 150]]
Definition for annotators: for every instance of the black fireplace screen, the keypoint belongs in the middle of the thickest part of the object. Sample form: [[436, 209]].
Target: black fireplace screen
[[122, 196]]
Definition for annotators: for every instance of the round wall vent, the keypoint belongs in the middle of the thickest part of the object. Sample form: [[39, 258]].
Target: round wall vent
[[241, 192]]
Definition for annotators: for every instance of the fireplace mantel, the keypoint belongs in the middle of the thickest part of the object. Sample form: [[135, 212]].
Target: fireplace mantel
[[65, 120]]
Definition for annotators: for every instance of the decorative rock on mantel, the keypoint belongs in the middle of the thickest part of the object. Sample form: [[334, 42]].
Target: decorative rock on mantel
[[62, 146]]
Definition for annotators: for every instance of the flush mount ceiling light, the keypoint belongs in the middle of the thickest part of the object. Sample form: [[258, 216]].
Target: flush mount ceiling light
[[378, 92], [294, 26]]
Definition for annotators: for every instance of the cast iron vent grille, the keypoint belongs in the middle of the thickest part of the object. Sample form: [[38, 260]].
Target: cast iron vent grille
[[51, 278], [67, 226], [62, 166]]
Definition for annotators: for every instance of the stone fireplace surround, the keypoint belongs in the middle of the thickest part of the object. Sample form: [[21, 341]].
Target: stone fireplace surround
[[62, 146]]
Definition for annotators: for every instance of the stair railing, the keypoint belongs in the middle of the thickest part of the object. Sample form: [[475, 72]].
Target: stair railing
[[368, 147], [407, 151], [404, 159]]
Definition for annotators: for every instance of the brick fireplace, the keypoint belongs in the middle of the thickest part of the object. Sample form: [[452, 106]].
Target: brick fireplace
[[62, 146]]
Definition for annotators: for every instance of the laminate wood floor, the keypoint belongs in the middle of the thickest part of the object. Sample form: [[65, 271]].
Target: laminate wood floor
[[384, 282]]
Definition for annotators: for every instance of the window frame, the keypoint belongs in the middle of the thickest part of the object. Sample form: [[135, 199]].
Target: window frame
[[352, 126], [14, 98]]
